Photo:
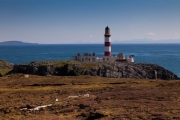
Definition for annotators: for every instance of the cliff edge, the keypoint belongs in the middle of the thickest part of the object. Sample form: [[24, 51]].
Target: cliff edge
[[103, 69]]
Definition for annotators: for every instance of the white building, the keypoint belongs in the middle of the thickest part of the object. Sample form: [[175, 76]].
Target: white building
[[93, 58]]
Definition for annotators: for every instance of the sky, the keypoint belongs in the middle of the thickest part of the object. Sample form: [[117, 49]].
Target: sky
[[84, 21]]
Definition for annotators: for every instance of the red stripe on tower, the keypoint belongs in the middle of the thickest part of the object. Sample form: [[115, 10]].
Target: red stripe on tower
[[107, 42], [107, 53]]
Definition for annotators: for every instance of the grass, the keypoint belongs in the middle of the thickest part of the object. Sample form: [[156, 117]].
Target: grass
[[110, 98], [5, 67], [85, 65], [4, 71], [60, 63]]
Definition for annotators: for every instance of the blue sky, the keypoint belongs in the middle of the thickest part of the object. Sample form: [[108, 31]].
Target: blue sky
[[83, 21]]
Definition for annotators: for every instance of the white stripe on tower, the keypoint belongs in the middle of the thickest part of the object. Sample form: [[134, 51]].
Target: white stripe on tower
[[107, 42]]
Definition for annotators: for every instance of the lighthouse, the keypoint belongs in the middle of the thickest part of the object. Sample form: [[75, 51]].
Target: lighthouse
[[107, 53], [107, 42]]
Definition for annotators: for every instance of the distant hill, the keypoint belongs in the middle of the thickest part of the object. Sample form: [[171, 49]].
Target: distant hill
[[15, 43]]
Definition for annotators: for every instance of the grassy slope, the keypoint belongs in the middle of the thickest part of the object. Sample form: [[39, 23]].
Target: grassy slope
[[111, 97], [4, 71], [86, 65], [4, 68]]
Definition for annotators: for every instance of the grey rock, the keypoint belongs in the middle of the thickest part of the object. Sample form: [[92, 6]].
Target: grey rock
[[6, 65], [111, 70]]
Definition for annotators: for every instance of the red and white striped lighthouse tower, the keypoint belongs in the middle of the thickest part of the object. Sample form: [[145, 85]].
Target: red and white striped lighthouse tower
[[107, 42]]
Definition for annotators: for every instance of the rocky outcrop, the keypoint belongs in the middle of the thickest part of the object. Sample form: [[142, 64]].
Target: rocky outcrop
[[36, 68], [5, 65], [125, 70], [112, 70]]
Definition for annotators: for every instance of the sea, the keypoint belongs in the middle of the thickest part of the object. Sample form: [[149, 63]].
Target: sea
[[165, 55]]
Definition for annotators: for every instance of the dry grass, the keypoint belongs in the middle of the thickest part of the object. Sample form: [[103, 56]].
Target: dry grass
[[4, 71], [5, 67], [110, 98], [85, 65]]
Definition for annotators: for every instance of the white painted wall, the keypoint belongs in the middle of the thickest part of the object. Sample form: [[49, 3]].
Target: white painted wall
[[107, 39], [107, 49]]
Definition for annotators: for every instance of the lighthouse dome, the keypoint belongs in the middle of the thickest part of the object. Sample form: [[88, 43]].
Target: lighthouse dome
[[107, 31], [107, 28]]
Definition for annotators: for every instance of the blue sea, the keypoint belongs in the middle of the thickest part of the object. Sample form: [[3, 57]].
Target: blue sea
[[166, 55]]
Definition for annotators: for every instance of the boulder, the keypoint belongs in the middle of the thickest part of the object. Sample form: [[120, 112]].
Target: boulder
[[36, 68]]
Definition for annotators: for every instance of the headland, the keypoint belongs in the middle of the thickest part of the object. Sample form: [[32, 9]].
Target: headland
[[102, 69]]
